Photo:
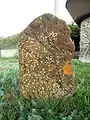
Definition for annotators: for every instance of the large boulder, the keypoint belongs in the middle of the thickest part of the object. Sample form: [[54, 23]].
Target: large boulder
[[45, 54]]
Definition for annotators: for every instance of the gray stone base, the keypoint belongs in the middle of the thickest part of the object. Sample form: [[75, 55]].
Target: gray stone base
[[84, 60]]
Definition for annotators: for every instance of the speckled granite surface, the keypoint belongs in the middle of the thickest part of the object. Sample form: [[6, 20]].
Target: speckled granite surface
[[85, 41], [45, 53]]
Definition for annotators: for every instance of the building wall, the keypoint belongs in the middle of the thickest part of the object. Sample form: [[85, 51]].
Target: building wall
[[9, 53]]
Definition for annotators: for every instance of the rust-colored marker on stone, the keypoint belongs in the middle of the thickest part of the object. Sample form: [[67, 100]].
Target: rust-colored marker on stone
[[67, 68], [44, 49]]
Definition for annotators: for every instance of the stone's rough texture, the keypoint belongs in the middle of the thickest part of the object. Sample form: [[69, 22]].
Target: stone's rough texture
[[45, 50], [85, 41]]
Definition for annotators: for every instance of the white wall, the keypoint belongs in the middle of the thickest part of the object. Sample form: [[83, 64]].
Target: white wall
[[9, 53]]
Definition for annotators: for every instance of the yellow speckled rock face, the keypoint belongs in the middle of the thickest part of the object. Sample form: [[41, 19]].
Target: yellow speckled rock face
[[45, 54]]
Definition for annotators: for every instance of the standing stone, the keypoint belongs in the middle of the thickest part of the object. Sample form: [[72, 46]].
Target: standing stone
[[85, 41], [45, 54]]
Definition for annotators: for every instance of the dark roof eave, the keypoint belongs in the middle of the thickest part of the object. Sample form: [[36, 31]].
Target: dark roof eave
[[79, 19]]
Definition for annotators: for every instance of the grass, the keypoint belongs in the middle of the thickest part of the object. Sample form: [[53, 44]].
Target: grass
[[15, 107]]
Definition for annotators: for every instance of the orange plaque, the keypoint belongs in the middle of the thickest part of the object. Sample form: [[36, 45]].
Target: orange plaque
[[67, 68]]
